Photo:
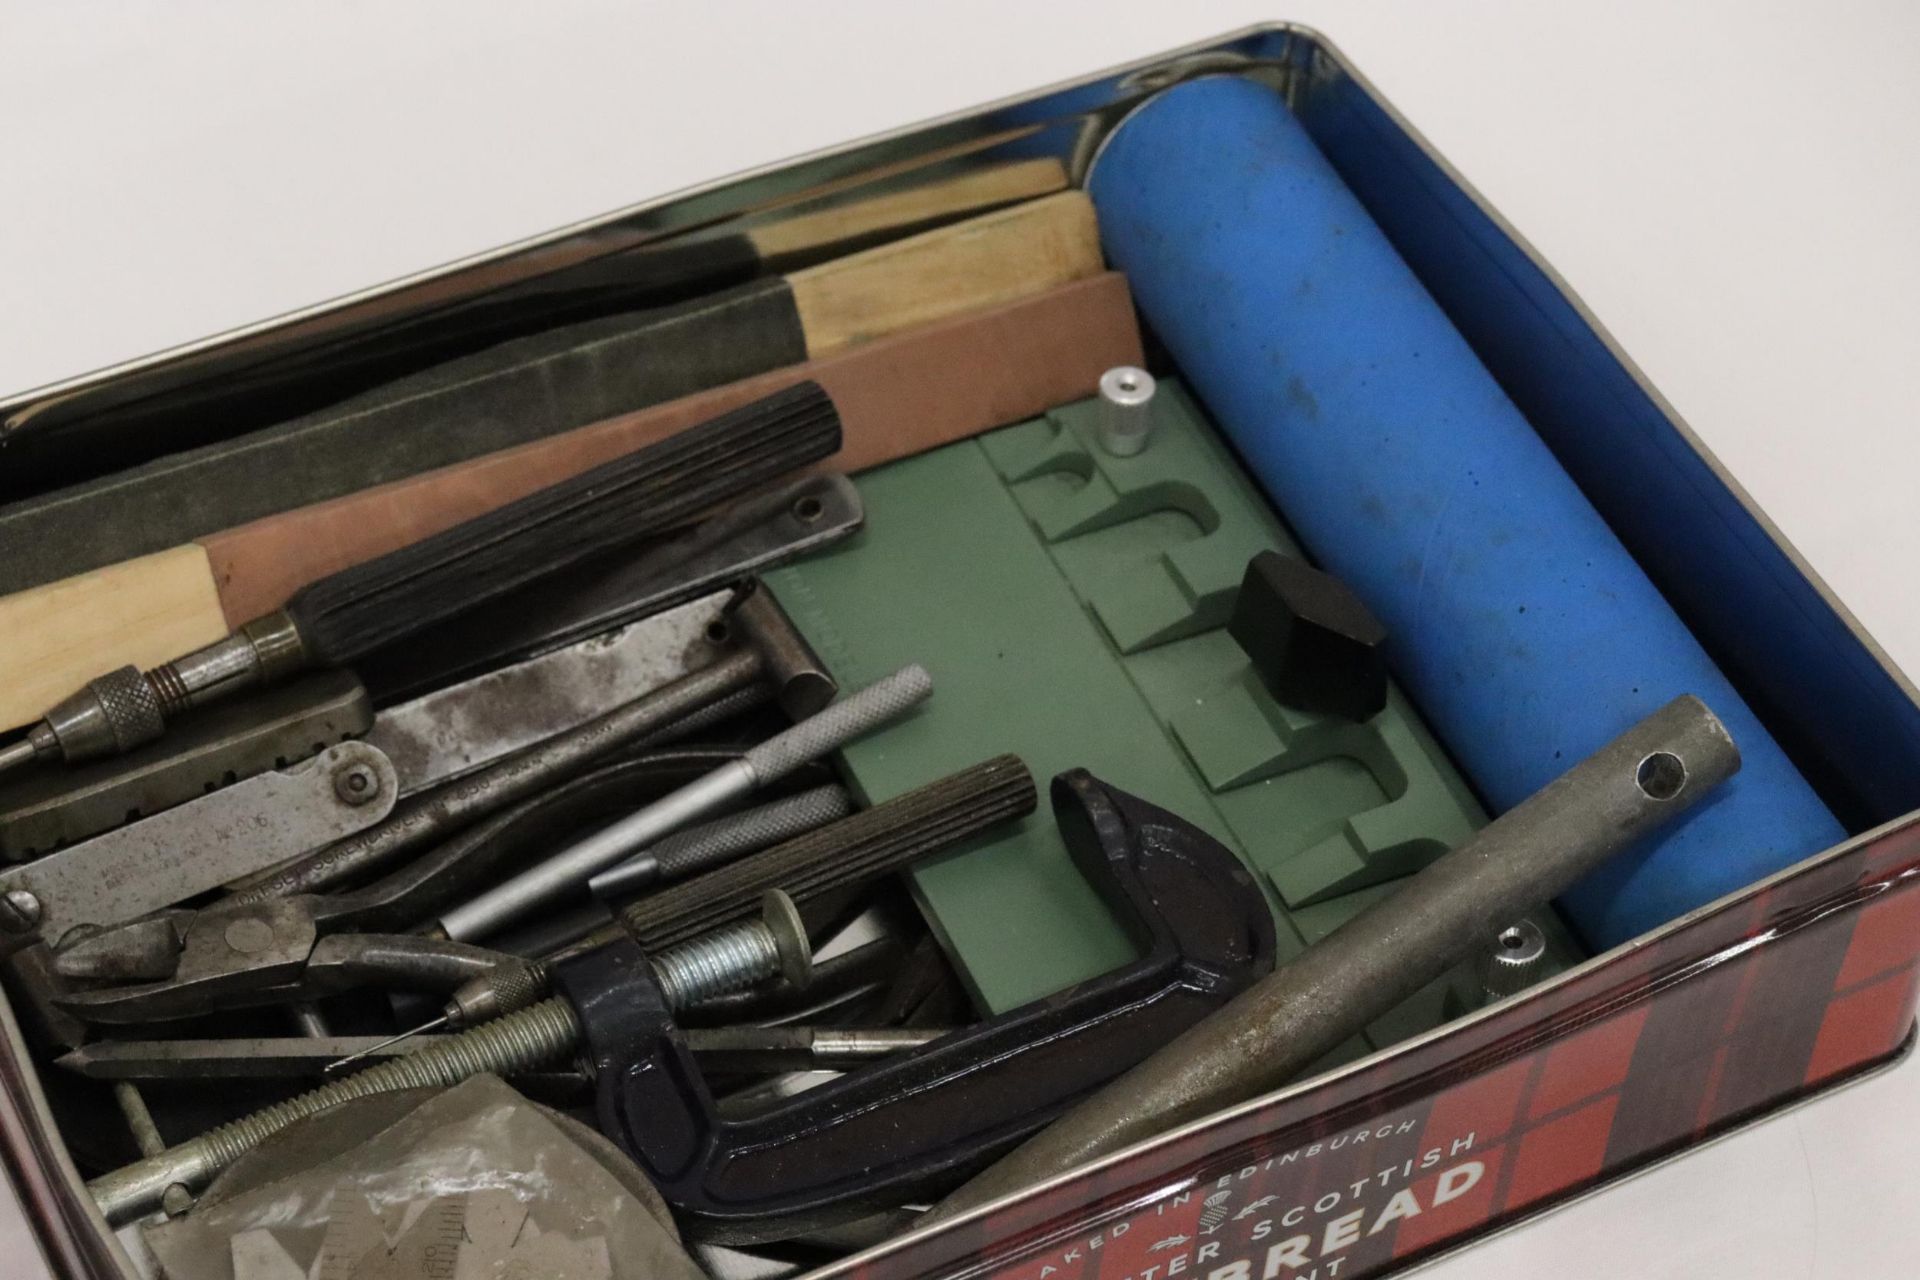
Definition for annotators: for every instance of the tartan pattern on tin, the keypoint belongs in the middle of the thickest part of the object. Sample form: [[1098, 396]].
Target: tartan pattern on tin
[[1791, 987]]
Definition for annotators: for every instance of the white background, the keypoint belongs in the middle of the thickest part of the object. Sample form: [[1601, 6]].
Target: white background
[[1733, 189]]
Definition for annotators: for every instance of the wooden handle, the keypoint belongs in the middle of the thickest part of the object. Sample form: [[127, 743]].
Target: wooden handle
[[144, 611], [972, 264]]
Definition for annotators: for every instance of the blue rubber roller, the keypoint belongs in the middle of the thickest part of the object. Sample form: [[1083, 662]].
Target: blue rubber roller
[[1523, 629]]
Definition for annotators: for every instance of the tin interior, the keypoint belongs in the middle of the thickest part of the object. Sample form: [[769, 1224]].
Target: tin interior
[[1848, 719]]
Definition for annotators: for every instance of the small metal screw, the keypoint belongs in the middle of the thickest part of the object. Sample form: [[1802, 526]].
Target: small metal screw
[[356, 784], [808, 509], [176, 1200], [19, 911]]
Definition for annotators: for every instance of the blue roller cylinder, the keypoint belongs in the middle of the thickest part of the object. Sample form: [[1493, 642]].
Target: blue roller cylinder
[[1521, 626]]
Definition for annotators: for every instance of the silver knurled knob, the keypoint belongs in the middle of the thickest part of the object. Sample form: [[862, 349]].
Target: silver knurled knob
[[1515, 961]]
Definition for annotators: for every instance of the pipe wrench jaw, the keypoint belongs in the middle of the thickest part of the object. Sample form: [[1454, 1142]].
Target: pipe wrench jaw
[[913, 1122]]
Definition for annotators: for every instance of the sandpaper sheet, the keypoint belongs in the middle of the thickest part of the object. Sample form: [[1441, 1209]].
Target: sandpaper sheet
[[473, 1183]]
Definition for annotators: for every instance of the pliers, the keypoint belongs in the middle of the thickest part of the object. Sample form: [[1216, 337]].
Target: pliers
[[184, 963]]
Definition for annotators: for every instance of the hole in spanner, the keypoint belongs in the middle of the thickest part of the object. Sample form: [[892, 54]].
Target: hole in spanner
[[1661, 775]]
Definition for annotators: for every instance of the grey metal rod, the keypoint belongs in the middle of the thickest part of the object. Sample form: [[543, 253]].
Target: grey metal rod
[[1270, 1033], [769, 1049], [263, 1058], [146, 1134], [127, 1063], [852, 717], [308, 1019]]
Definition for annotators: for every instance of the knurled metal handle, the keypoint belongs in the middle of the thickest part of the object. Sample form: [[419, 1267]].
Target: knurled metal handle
[[130, 707], [682, 855], [841, 723]]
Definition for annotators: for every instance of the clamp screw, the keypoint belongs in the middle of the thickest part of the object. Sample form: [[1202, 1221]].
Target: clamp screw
[[737, 956], [356, 784], [19, 911]]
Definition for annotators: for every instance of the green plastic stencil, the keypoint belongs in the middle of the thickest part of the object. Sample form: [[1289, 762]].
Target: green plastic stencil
[[1071, 607]]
